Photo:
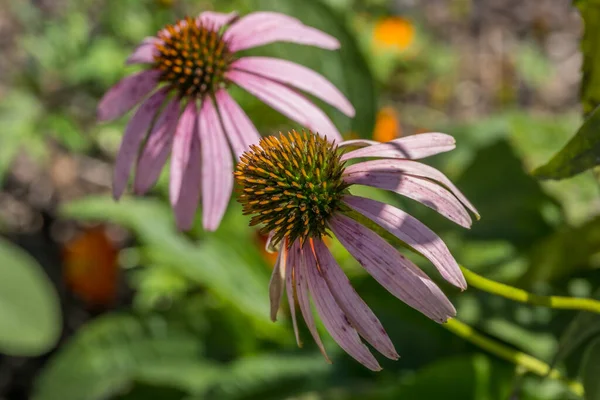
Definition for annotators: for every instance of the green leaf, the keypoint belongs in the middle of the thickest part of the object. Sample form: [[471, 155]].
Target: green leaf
[[30, 320], [591, 371], [346, 68], [581, 153], [590, 47]]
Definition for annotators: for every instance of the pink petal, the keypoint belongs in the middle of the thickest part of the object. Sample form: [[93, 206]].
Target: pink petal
[[296, 75], [293, 33], [392, 270], [287, 102], [216, 20], [132, 140], [410, 147], [126, 93], [300, 276], [157, 148], [412, 232], [185, 161], [290, 283], [360, 315], [357, 143], [335, 320], [238, 127], [145, 52], [411, 168], [255, 23], [424, 191], [217, 167], [276, 285]]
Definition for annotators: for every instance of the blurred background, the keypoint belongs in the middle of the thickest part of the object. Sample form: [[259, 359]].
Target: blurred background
[[106, 300]]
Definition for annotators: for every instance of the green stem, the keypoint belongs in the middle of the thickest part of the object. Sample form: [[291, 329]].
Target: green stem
[[512, 293], [518, 358]]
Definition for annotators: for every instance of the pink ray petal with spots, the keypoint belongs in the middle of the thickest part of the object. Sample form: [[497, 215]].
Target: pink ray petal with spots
[[128, 92], [392, 270], [256, 23], [335, 320], [411, 147], [296, 75], [411, 168], [156, 151], [413, 233], [358, 312], [287, 102], [424, 191], [238, 127], [217, 167], [292, 33], [132, 140]]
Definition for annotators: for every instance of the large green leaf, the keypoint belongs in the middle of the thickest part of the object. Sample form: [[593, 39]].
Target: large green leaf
[[581, 153], [346, 68], [30, 320], [590, 47], [591, 371]]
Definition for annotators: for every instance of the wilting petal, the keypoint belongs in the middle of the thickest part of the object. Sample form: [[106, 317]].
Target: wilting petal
[[238, 127], [287, 102], [217, 167], [300, 276], [255, 23], [276, 284], [411, 168], [145, 52], [215, 20], [157, 148], [290, 283], [357, 143], [411, 147], [424, 191], [412, 232], [293, 33], [181, 153], [358, 312], [298, 76], [126, 93], [334, 318], [392, 270], [132, 140]]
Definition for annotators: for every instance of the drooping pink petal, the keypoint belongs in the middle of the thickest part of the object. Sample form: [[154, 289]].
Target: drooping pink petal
[[301, 278], [290, 283], [217, 167], [358, 312], [181, 152], [392, 270], [293, 33], [334, 318], [126, 93], [157, 148], [411, 168], [298, 76], [412, 232], [424, 191], [132, 140], [256, 23], [357, 143], [238, 127], [215, 20], [145, 52], [287, 102], [189, 196], [411, 147], [276, 284]]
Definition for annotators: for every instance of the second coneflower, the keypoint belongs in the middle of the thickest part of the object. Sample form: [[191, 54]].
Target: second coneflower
[[297, 187], [190, 66]]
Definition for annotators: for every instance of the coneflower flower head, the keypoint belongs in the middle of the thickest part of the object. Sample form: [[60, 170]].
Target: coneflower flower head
[[297, 186], [187, 111]]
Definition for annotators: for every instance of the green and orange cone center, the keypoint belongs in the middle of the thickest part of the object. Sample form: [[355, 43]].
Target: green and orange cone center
[[291, 184]]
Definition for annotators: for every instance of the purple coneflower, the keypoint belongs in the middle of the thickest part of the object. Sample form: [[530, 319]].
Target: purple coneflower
[[190, 66], [297, 187]]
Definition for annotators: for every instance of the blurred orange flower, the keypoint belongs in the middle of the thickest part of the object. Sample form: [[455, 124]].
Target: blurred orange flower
[[90, 267], [387, 125], [395, 32]]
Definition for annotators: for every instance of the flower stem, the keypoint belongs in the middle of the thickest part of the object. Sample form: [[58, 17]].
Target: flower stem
[[518, 358], [522, 296]]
